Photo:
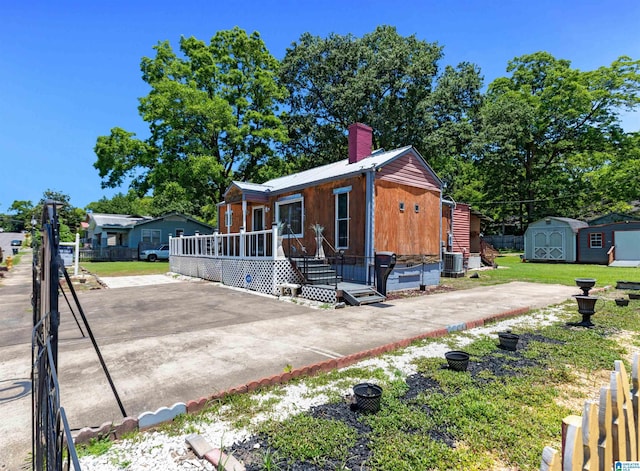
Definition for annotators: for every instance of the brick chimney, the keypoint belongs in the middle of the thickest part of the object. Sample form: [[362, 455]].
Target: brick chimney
[[360, 142]]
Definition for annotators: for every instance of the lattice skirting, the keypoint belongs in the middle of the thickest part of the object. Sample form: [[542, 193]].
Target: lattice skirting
[[322, 295], [263, 276]]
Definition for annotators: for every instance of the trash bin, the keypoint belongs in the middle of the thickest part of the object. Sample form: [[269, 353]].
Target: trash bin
[[15, 251], [384, 263]]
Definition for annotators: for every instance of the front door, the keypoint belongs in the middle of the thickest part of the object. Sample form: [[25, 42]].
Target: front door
[[257, 224], [548, 245]]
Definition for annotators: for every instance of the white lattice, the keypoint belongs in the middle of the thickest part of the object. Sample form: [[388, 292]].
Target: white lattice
[[322, 295]]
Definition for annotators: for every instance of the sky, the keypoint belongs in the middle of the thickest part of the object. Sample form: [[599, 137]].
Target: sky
[[70, 70]]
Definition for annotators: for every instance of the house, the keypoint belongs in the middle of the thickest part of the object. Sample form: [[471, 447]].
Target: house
[[613, 244], [552, 239], [367, 203], [611, 217], [121, 236]]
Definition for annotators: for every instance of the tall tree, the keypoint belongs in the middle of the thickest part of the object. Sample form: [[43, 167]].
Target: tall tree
[[538, 120], [120, 203], [389, 82], [212, 114]]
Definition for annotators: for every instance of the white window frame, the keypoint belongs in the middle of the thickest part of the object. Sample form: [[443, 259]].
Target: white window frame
[[600, 240], [228, 217], [145, 233], [338, 192], [292, 200], [264, 217]]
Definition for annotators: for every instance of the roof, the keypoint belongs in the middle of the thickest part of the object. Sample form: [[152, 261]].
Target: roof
[[574, 224], [332, 171], [164, 216], [117, 220]]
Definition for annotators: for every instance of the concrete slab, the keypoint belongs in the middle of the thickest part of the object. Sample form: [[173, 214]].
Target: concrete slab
[[181, 341], [144, 280]]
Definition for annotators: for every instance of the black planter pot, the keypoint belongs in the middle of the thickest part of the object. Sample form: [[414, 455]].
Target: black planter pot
[[622, 302], [585, 284], [457, 360], [508, 341], [367, 397], [634, 295]]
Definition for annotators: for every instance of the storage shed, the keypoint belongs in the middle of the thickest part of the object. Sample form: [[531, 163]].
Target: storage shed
[[552, 239]]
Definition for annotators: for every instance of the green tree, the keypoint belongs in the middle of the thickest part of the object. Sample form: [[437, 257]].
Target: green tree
[[389, 82], [120, 203], [535, 124], [22, 211], [69, 216], [213, 117]]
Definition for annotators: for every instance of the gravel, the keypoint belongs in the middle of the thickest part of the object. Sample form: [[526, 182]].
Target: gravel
[[156, 450]]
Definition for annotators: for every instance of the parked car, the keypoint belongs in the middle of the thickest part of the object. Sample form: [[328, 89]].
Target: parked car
[[151, 255], [16, 243]]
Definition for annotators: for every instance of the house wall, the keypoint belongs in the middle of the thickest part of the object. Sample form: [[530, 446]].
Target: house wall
[[446, 227], [588, 254], [168, 228], [406, 232], [461, 229]]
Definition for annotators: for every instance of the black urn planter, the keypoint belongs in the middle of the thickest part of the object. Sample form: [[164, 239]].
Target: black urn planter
[[508, 341], [457, 360], [585, 284], [622, 302], [367, 397], [586, 307], [634, 295]]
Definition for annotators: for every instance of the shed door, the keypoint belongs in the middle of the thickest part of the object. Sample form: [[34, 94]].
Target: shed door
[[627, 245], [548, 245]]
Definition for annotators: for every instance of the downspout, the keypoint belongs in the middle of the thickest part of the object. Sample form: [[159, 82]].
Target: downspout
[[370, 207]]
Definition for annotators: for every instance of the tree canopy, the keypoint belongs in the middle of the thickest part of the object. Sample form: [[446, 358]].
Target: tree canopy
[[213, 116]]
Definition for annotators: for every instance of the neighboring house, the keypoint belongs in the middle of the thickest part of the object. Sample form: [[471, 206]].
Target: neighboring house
[[615, 244], [135, 232], [611, 217], [552, 239], [461, 229], [367, 203]]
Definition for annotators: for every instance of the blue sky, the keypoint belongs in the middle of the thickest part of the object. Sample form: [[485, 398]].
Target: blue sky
[[70, 69]]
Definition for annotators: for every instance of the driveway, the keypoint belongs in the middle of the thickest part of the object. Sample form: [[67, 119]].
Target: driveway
[[179, 341]]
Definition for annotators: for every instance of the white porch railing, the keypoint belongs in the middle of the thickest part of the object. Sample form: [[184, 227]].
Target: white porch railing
[[258, 245]]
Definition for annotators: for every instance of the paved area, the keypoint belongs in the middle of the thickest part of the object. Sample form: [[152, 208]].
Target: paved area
[[166, 343], [129, 281]]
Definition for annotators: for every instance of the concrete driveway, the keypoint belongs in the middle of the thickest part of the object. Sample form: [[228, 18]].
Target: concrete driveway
[[183, 340]]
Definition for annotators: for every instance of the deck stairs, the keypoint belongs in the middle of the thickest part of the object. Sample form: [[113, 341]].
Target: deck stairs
[[361, 295], [319, 273]]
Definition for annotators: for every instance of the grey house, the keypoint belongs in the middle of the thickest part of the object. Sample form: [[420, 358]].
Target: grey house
[[139, 232], [614, 244], [552, 239]]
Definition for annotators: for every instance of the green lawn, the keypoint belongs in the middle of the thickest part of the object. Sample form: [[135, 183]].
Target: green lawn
[[560, 273], [126, 268]]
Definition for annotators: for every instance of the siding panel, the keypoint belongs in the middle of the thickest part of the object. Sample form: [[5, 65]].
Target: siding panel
[[409, 170]]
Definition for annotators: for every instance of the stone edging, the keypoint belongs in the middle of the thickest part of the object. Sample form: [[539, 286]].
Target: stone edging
[[148, 420]]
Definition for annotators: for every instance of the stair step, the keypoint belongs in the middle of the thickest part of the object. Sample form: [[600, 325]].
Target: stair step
[[358, 297]]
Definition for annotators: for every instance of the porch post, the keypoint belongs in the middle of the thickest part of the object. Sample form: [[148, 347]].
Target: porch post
[[244, 212], [215, 244], [242, 242], [274, 240]]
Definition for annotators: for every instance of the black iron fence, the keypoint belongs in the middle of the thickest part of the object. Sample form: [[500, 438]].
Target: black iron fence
[[52, 443]]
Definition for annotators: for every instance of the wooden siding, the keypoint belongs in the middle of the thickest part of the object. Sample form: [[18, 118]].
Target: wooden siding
[[406, 232], [320, 208], [409, 170], [461, 228], [474, 234]]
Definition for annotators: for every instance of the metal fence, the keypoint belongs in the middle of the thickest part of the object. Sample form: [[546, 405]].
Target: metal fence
[[501, 242], [52, 443]]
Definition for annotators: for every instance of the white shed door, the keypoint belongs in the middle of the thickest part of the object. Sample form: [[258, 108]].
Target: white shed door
[[548, 245], [627, 245]]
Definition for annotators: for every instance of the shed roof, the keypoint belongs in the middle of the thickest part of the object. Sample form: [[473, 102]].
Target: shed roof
[[574, 224]]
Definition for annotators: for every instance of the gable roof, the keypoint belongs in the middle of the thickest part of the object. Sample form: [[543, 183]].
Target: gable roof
[[333, 171], [116, 220], [174, 213]]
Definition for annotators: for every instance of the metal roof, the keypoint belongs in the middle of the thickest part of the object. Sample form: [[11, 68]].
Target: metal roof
[[333, 171], [116, 220]]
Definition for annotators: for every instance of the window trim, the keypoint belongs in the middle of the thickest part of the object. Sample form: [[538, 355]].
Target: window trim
[[337, 196], [591, 241], [292, 199], [152, 231]]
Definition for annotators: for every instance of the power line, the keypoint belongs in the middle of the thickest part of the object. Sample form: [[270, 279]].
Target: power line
[[523, 201]]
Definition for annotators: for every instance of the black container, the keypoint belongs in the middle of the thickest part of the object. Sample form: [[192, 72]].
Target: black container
[[622, 302], [634, 295], [457, 360], [367, 397], [508, 341]]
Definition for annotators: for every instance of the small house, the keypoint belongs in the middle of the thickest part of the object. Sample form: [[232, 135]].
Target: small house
[[552, 239], [613, 244]]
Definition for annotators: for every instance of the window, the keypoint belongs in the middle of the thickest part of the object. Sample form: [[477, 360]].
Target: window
[[179, 232], [416, 208], [151, 236], [342, 220], [595, 240], [401, 205], [228, 218], [289, 211]]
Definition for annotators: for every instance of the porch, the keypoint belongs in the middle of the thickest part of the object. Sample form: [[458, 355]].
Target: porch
[[264, 261]]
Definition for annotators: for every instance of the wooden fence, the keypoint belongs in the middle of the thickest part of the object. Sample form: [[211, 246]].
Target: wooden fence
[[606, 432]]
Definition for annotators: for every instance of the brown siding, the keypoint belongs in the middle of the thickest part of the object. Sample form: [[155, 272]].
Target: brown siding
[[319, 207], [406, 232], [474, 234], [409, 170]]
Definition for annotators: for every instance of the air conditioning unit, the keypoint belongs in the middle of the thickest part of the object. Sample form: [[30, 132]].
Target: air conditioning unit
[[453, 264]]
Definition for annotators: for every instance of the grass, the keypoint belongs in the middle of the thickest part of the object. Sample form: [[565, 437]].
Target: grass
[[557, 273], [126, 268]]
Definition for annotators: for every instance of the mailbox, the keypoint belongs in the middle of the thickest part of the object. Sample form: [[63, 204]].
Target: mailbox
[[384, 263]]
